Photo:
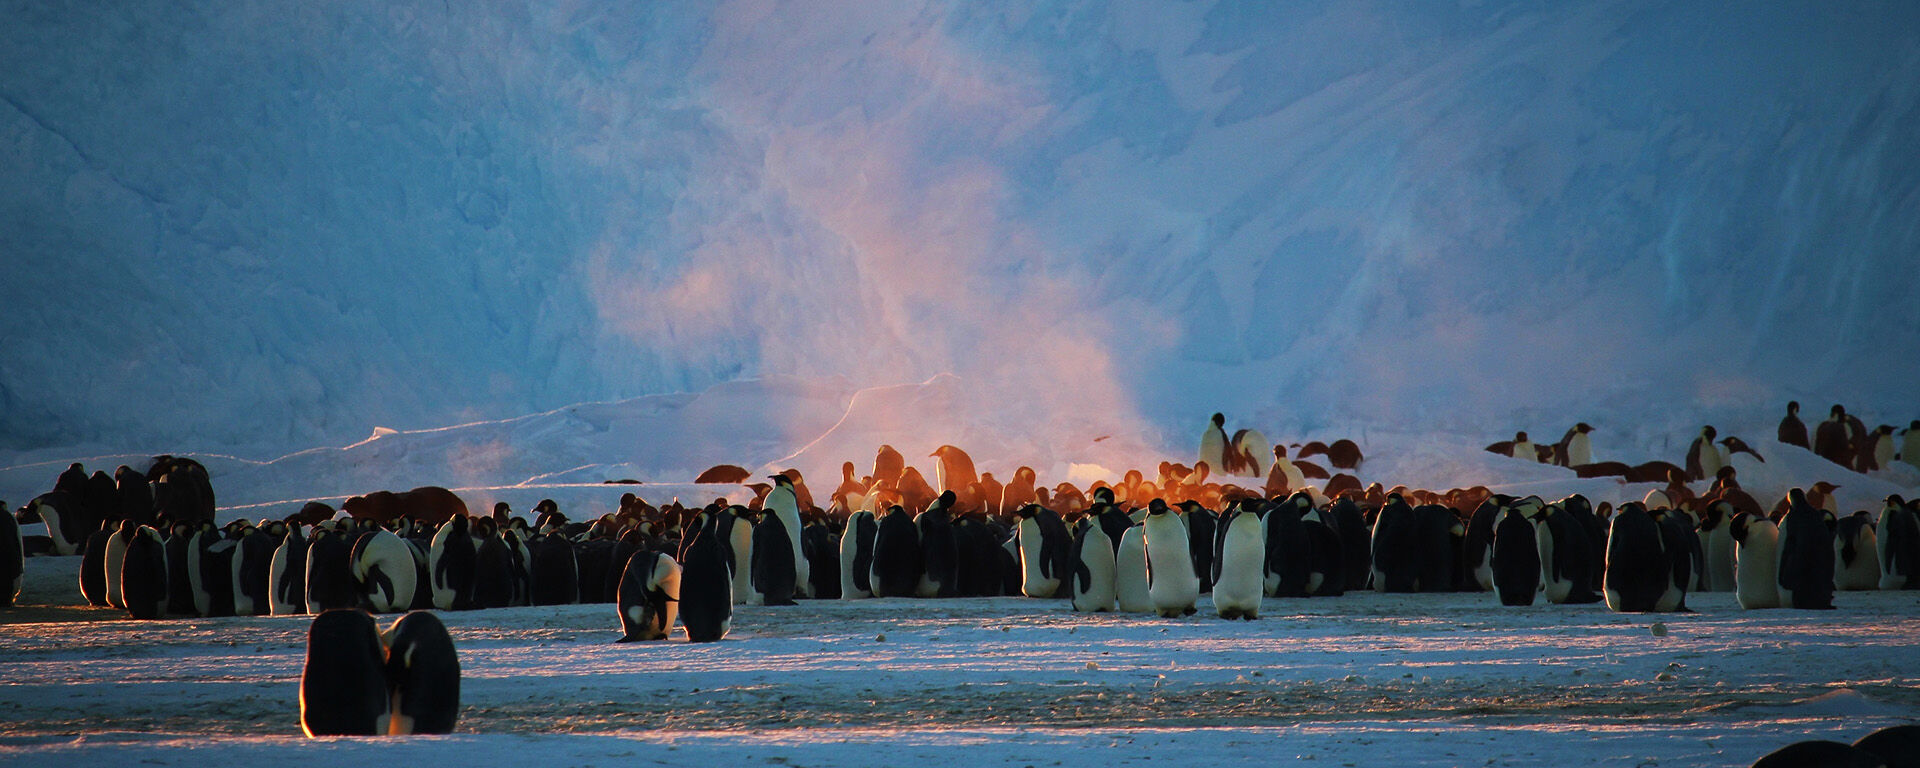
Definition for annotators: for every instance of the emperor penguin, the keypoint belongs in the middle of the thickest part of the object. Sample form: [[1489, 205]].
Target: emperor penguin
[[1523, 448], [1716, 537], [897, 557], [1856, 553], [1832, 440], [1639, 572], [1239, 563], [1213, 444], [343, 687], [1704, 458], [1567, 564], [450, 564], [116, 553], [1130, 572], [1804, 569], [774, 569], [1171, 582], [143, 574], [1093, 575], [287, 574], [423, 675], [1910, 445], [54, 509], [706, 602], [1282, 476], [1516, 557], [649, 596], [1793, 431], [783, 502], [1575, 447], [253, 572], [1479, 543], [1899, 545], [1756, 544], [1883, 446], [954, 472], [1256, 455], [383, 570], [1044, 551], [939, 549], [735, 536], [888, 465], [856, 556]]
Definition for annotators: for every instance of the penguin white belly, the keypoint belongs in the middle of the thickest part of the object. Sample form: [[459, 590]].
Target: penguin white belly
[[1130, 572], [1093, 575], [1719, 547], [1171, 582], [1242, 559], [1579, 450], [1755, 564], [1556, 588], [1910, 448], [1864, 571], [1213, 449], [1034, 582], [741, 536]]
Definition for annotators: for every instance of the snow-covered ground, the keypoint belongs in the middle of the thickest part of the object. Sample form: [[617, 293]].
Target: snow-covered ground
[[1353, 680]]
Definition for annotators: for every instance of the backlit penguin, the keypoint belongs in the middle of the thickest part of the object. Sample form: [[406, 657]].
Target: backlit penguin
[[252, 572], [1093, 576], [288, 574], [939, 552], [773, 568], [1805, 570], [1356, 544], [65, 524], [706, 587], [823, 559], [212, 571], [1201, 523], [450, 564], [649, 596], [1756, 548], [343, 688], [135, 496], [1436, 533], [1171, 582], [1516, 558], [783, 503], [554, 570], [1479, 545], [1045, 557], [1130, 585], [1288, 571], [1239, 565], [1639, 572], [1396, 561], [888, 465], [1567, 566], [115, 555], [736, 539], [896, 565], [1793, 431], [1899, 544], [179, 582], [93, 567], [143, 574], [1716, 537], [492, 567], [954, 472], [856, 556], [1856, 561], [1213, 444], [13, 557], [423, 675], [1704, 459]]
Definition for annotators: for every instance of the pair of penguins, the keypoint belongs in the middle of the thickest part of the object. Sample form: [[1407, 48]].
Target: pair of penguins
[[360, 681], [1145, 568], [697, 588], [1535, 548], [1895, 746]]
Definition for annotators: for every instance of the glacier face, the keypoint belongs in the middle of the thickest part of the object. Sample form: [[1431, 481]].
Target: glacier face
[[262, 228]]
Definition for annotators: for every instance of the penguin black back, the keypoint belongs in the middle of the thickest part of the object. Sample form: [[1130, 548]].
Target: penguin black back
[[343, 688], [423, 675]]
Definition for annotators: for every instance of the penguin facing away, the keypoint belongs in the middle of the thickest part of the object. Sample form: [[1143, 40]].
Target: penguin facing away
[[1805, 560], [706, 587], [1516, 558]]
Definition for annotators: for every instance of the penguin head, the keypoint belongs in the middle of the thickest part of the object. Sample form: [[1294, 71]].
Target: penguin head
[[1708, 432], [1219, 420], [1520, 437], [946, 500], [1895, 502], [1583, 427], [781, 481], [1157, 507], [1103, 495], [1025, 513], [1793, 407], [1837, 413], [1191, 507]]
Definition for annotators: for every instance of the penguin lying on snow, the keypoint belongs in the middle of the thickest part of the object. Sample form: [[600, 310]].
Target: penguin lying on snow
[[358, 682]]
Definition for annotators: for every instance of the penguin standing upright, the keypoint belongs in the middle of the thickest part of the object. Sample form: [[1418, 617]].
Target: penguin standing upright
[[1910, 445], [1288, 571], [706, 586], [1044, 551], [735, 535], [1239, 565], [554, 569], [1566, 558], [1792, 431], [773, 569], [423, 675], [1575, 447], [1832, 439], [1756, 547], [1704, 458], [116, 553], [1516, 558], [1479, 544], [287, 574], [1213, 444], [783, 502], [1898, 537], [343, 687], [1856, 556], [1805, 570], [1130, 572], [253, 572], [1171, 582], [143, 574], [1092, 576], [897, 557], [649, 596], [1201, 525], [1639, 572], [1396, 555], [1716, 536], [179, 580], [939, 552], [450, 561], [856, 556]]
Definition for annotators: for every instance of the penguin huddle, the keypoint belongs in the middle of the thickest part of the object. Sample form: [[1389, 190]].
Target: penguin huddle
[[360, 681]]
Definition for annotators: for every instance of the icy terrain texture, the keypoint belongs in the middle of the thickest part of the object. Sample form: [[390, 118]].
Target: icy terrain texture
[[263, 228]]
